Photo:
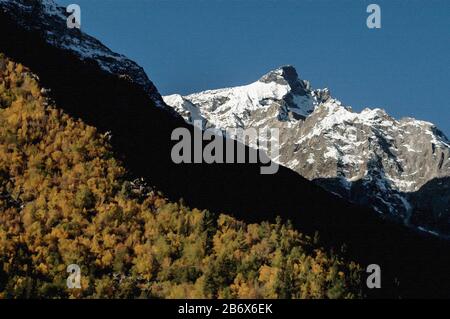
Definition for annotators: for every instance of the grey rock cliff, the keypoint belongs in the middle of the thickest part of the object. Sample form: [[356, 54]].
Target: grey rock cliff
[[397, 167]]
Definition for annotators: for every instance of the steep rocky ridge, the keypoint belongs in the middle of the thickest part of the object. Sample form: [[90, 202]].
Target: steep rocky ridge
[[369, 157]]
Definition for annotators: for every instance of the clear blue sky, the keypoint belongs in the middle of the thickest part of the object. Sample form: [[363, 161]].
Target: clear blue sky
[[192, 45]]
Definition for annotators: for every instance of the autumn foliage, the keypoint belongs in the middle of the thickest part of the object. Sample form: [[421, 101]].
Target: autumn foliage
[[65, 199]]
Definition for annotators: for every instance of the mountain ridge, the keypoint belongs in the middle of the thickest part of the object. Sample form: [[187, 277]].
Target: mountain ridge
[[368, 157], [77, 42]]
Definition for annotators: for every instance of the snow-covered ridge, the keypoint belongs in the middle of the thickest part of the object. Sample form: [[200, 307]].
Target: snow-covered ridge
[[49, 19], [231, 107], [337, 114], [368, 157]]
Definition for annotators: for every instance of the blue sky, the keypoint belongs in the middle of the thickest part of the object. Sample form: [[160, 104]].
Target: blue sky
[[187, 46]]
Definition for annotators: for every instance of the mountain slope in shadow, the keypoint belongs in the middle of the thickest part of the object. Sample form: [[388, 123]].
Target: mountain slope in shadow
[[141, 137], [438, 217]]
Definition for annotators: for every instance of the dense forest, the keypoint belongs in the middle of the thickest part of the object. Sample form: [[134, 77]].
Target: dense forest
[[65, 199]]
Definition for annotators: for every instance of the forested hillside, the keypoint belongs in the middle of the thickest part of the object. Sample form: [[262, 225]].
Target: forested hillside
[[65, 199]]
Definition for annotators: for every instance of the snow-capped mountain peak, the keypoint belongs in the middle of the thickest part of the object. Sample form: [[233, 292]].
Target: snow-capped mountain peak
[[279, 92], [368, 157]]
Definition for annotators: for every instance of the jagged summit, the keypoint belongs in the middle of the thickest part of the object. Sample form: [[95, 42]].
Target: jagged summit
[[368, 157], [287, 75], [279, 93]]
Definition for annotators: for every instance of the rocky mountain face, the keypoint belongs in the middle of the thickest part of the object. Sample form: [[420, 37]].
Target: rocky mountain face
[[369, 157], [50, 20]]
